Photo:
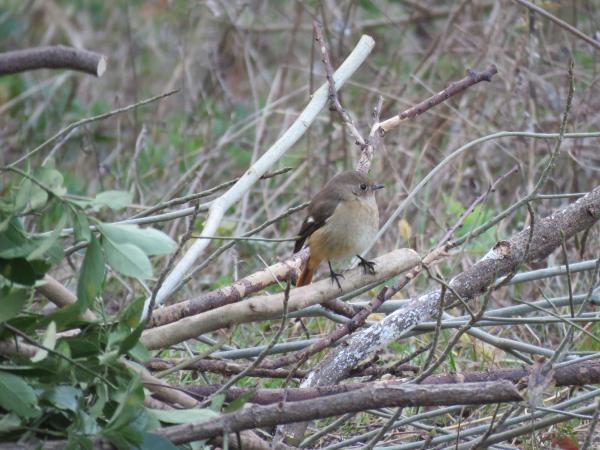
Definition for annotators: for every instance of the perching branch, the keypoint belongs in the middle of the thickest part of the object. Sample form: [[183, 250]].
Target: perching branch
[[271, 306]]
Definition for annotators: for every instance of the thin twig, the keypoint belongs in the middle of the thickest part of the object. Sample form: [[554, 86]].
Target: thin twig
[[53, 352], [242, 238], [561, 23], [81, 122], [263, 354], [206, 193], [333, 97], [191, 361]]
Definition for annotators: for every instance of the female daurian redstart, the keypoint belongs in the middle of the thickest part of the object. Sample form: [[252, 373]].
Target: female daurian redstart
[[342, 221]]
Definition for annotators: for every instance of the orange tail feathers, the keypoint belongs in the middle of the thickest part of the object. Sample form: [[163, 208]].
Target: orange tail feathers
[[307, 273]]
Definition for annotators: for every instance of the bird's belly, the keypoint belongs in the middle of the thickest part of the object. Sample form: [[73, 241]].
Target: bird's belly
[[348, 232]]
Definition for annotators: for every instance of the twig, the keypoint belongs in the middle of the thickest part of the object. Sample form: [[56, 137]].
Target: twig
[[264, 353], [242, 238], [191, 361], [438, 329], [453, 89], [587, 443], [186, 237], [480, 444], [53, 352], [81, 122], [333, 97], [452, 342], [382, 430], [470, 145], [206, 193], [561, 23]]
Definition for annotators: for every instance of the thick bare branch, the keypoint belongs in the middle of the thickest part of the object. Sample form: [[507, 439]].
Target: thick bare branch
[[52, 57], [270, 306], [377, 396], [572, 375]]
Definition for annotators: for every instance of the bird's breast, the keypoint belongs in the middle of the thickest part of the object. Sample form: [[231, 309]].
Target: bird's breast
[[349, 230]]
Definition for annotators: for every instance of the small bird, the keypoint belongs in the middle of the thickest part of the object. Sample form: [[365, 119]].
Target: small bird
[[342, 221]]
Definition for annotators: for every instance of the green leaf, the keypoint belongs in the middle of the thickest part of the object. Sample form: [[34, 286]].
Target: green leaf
[[102, 398], [130, 403], [51, 178], [64, 397], [30, 195], [239, 402], [21, 271], [14, 242], [140, 353], [91, 277], [132, 339], [132, 312], [5, 224], [151, 241], [127, 259], [182, 415], [113, 199], [369, 6], [48, 342], [48, 242], [12, 301], [156, 442], [17, 396], [217, 402], [9, 422], [81, 226], [89, 287], [87, 424]]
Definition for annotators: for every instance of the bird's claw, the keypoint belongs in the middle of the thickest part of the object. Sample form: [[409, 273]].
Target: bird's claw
[[334, 276], [368, 266]]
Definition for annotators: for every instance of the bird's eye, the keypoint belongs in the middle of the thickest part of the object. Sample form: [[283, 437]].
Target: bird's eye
[[363, 187]]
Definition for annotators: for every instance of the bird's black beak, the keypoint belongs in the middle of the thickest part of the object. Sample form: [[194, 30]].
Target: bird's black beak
[[377, 186]]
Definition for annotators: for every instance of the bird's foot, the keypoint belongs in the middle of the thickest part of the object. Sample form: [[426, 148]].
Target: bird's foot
[[335, 276], [368, 266]]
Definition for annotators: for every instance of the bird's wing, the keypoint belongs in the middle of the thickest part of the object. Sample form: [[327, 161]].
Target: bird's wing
[[320, 209]]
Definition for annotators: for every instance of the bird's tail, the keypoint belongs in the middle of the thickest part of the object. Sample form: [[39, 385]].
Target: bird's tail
[[307, 273]]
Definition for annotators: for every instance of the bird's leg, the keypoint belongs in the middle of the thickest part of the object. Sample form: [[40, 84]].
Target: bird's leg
[[368, 266], [334, 275]]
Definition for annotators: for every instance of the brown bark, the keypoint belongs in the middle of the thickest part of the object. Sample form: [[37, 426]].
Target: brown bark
[[52, 57], [267, 307], [229, 294], [377, 396], [58, 294], [226, 368], [573, 375]]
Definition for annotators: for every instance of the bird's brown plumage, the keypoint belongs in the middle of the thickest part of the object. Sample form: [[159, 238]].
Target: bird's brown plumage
[[333, 237]]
